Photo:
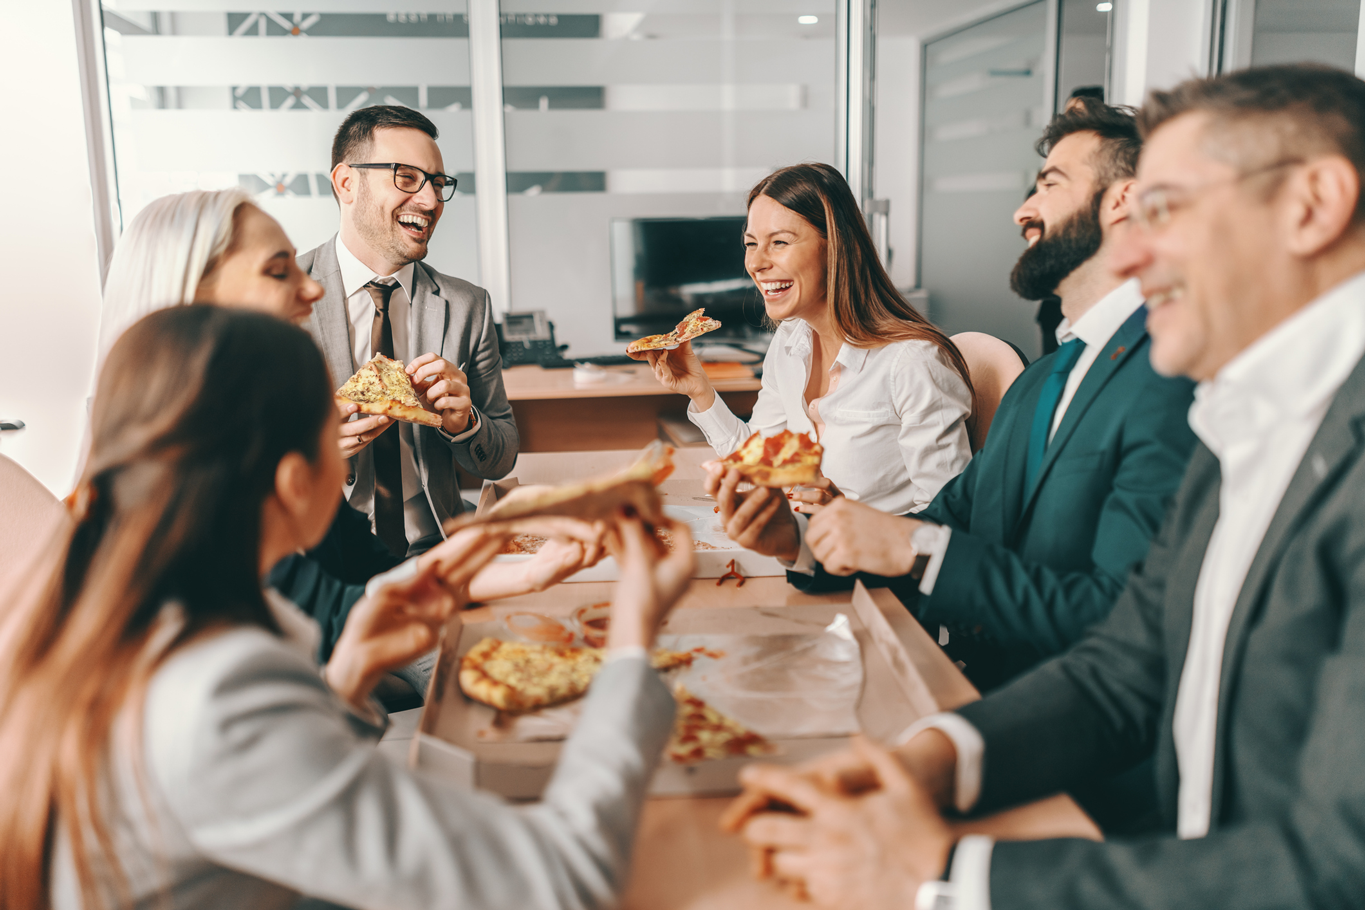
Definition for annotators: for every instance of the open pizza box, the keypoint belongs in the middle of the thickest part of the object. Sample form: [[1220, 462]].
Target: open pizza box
[[842, 650], [682, 502]]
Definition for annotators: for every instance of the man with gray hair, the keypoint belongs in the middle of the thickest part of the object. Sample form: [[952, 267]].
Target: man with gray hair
[[1236, 654]]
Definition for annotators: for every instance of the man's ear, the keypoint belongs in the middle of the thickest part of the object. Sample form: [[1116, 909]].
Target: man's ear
[[1322, 204], [344, 183], [1117, 202]]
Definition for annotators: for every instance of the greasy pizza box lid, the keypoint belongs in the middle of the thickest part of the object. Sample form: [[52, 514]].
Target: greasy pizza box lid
[[906, 676]]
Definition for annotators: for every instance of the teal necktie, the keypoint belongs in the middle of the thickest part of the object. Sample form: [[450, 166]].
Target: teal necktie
[[1067, 355]]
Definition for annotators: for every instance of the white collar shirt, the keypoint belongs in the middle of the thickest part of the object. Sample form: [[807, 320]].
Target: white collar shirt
[[1257, 416], [419, 522], [1095, 327], [893, 421]]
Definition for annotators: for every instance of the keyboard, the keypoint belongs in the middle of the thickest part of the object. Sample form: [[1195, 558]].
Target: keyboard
[[605, 360]]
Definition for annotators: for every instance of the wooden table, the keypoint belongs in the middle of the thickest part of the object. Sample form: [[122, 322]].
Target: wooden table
[[557, 414], [682, 860]]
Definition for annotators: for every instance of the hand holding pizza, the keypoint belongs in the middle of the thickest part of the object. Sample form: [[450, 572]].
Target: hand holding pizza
[[759, 520], [403, 619], [680, 370], [573, 546], [650, 584], [445, 387], [809, 498], [357, 434]]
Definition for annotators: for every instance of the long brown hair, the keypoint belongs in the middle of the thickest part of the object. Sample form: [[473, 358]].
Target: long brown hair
[[194, 409], [865, 305]]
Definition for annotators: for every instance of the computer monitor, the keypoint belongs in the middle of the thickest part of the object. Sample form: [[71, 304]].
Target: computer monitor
[[664, 268]]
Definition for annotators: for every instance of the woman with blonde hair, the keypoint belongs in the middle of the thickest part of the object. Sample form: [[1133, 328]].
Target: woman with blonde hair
[[165, 736], [884, 391], [203, 245]]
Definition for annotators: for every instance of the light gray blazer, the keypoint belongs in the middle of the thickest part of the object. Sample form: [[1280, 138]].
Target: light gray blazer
[[453, 319], [261, 788]]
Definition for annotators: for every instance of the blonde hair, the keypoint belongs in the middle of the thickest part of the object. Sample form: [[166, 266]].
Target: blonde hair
[[164, 254]]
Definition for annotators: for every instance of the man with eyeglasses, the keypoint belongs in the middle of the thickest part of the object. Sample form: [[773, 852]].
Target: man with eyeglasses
[[1236, 654], [389, 182]]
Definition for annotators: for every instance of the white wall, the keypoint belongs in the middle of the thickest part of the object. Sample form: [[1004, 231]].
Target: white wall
[[49, 311], [1157, 44]]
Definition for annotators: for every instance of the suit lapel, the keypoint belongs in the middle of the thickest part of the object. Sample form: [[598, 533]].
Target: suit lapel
[[1015, 461], [331, 325], [1111, 359], [427, 319], [1332, 449]]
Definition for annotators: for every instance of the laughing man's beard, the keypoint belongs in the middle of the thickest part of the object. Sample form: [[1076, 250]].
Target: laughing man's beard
[[1044, 265]]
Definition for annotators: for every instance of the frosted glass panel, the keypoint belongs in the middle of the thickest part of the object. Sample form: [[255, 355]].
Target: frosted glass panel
[[681, 110], [984, 106], [211, 97], [1298, 31]]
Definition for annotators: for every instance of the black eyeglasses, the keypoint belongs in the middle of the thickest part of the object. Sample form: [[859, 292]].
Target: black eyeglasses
[[411, 179]]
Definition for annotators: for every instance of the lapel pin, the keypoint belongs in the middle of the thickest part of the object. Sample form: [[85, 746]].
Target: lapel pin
[[1115, 355]]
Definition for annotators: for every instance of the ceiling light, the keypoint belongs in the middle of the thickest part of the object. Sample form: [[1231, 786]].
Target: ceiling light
[[808, 20], [1103, 7]]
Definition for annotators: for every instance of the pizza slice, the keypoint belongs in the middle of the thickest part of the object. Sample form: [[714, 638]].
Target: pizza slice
[[701, 733], [519, 676], [694, 324], [382, 386], [593, 499], [782, 460]]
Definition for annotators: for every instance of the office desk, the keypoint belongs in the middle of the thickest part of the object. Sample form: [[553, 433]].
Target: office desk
[[556, 414], [682, 860]]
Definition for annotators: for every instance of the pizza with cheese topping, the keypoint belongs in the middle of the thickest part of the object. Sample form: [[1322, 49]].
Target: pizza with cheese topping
[[701, 733], [782, 460], [383, 387], [519, 676], [694, 324]]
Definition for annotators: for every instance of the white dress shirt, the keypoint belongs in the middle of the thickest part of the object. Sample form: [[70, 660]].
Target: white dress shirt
[[895, 426], [1257, 416], [418, 520], [1095, 327]]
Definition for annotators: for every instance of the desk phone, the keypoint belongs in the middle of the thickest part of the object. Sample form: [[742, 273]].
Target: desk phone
[[528, 338]]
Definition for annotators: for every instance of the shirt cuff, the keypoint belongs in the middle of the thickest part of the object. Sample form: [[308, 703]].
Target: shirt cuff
[[971, 872], [936, 554], [971, 751], [626, 652], [401, 572], [469, 432], [805, 559]]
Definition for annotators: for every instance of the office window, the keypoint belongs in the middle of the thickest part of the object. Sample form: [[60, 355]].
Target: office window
[[213, 98], [1262, 32], [661, 115]]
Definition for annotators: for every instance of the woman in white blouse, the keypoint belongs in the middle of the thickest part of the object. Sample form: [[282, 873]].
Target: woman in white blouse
[[167, 738], [885, 392]]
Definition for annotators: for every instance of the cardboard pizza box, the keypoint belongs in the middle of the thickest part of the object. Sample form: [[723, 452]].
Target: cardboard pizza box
[[904, 676]]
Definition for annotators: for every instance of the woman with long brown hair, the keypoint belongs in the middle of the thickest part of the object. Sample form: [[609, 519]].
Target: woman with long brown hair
[[885, 392], [165, 736]]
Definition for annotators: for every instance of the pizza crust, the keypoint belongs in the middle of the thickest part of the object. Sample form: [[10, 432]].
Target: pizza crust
[[395, 410], [588, 500]]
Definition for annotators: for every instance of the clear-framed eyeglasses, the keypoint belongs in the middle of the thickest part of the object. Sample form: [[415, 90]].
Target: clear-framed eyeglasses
[[1154, 206]]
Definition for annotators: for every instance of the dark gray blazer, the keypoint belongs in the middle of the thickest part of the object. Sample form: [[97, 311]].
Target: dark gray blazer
[[454, 320], [1288, 816]]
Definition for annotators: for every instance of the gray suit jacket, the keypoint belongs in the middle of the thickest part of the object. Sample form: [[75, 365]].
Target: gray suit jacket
[[454, 320], [1288, 817], [260, 788]]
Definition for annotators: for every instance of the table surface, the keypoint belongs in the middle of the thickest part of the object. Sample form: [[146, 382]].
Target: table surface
[[682, 859], [530, 383]]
